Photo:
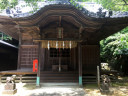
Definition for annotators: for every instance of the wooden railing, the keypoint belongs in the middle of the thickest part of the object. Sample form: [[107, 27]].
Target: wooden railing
[[20, 78]]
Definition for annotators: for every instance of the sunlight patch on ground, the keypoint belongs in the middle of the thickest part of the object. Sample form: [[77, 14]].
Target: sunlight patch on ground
[[118, 91], [89, 90], [31, 90]]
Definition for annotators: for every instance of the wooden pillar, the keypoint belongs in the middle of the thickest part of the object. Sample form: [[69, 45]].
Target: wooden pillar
[[80, 64], [38, 72], [20, 78], [42, 59], [74, 59], [98, 76], [19, 51]]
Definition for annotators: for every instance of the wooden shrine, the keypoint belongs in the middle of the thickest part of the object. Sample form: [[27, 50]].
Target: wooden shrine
[[64, 39]]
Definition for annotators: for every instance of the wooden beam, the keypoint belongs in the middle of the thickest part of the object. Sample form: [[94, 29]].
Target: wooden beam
[[29, 46], [7, 23], [55, 39]]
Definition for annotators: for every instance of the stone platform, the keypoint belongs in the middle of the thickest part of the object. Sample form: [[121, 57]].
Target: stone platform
[[10, 92]]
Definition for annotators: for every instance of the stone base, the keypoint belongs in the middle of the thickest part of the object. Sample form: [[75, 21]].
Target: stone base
[[10, 86], [106, 92], [11, 92]]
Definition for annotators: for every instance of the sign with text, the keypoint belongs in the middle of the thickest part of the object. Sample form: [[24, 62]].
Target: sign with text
[[35, 65]]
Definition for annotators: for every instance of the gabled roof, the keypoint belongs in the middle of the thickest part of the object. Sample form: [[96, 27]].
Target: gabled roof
[[9, 27], [93, 29]]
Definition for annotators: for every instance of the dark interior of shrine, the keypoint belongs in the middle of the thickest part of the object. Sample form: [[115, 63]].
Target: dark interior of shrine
[[8, 57]]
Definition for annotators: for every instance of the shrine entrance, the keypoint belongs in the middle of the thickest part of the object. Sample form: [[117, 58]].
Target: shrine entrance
[[59, 65], [60, 60], [60, 50]]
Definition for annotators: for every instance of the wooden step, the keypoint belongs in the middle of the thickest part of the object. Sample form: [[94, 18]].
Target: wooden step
[[59, 76], [56, 72], [42, 81]]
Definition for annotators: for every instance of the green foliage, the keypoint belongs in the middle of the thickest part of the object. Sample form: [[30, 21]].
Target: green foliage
[[32, 4], [5, 37], [12, 3], [114, 50], [114, 4], [8, 3], [108, 4], [86, 0], [117, 43]]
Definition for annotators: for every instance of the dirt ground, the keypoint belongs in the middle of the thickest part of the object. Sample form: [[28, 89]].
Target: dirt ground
[[117, 91], [32, 90], [87, 90]]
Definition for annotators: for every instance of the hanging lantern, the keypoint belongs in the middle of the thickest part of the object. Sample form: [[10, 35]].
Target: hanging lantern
[[59, 32]]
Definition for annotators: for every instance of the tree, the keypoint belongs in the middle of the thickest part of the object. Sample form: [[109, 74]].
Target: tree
[[116, 5], [114, 50], [8, 3], [5, 37], [4, 4]]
